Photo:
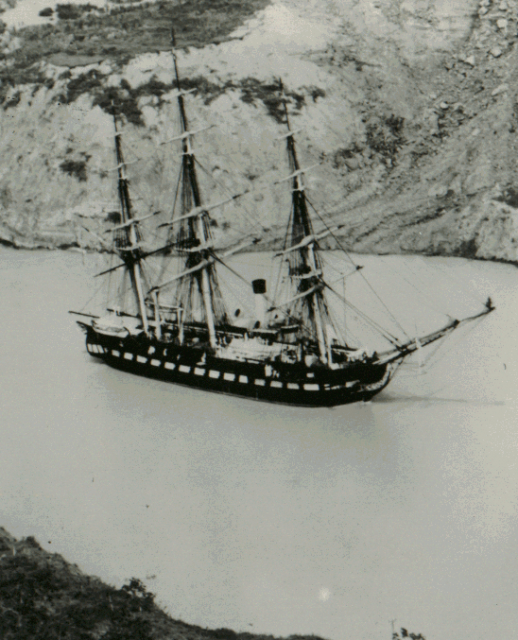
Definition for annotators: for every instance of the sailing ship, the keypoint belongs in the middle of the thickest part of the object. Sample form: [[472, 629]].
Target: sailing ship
[[178, 328]]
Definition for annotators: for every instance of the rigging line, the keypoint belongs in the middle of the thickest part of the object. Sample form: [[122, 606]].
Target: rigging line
[[348, 335], [177, 192], [236, 168], [238, 275], [447, 385], [120, 292], [424, 296], [429, 362], [140, 158], [248, 215], [361, 274], [126, 163], [233, 292], [343, 276], [139, 196], [175, 201], [96, 292], [354, 263], [373, 325], [423, 284], [284, 246], [285, 313], [148, 269], [452, 276], [328, 264], [336, 326], [135, 187], [218, 259], [388, 336], [460, 337]]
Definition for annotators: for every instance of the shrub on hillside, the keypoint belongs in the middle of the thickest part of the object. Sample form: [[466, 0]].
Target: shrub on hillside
[[120, 100], [83, 83], [76, 168], [46, 13], [68, 11], [72, 11], [13, 101]]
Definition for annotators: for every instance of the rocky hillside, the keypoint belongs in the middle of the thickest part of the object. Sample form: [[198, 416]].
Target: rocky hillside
[[44, 597], [407, 108]]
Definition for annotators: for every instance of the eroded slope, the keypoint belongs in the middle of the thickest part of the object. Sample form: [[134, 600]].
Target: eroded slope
[[408, 109]]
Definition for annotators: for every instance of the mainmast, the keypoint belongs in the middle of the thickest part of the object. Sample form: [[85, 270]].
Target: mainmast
[[305, 269], [127, 236], [196, 236]]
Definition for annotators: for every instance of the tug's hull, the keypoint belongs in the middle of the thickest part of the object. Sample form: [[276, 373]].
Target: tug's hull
[[290, 384]]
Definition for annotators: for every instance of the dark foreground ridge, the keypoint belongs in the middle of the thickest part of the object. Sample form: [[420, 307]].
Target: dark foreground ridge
[[44, 597]]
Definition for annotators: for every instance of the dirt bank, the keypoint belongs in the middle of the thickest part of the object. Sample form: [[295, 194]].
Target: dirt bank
[[407, 108]]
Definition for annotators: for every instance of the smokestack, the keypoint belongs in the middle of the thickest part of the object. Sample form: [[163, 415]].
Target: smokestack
[[259, 287]]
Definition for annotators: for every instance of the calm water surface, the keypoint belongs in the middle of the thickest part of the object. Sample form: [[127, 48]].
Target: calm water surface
[[265, 518]]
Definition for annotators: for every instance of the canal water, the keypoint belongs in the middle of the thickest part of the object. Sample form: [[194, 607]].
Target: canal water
[[272, 519]]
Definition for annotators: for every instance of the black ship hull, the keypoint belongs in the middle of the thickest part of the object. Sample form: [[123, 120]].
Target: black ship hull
[[285, 384]]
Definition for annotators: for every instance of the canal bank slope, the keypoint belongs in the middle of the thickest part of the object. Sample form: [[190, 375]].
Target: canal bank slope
[[43, 596], [408, 110]]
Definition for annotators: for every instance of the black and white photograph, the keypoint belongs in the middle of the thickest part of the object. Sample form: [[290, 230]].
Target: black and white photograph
[[259, 356]]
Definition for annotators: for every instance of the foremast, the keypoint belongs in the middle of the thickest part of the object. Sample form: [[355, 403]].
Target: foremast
[[126, 234], [307, 303]]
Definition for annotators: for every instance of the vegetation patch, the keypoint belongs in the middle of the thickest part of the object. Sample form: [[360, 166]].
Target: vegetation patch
[[404, 633], [467, 249], [272, 97], [13, 76], [342, 156], [72, 11], [125, 99], [203, 87], [122, 99], [510, 197], [385, 136], [83, 83], [44, 597], [253, 91], [75, 168], [121, 32], [39, 601], [316, 93], [13, 101]]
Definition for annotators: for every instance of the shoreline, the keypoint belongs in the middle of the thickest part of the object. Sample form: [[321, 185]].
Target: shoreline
[[76, 248]]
